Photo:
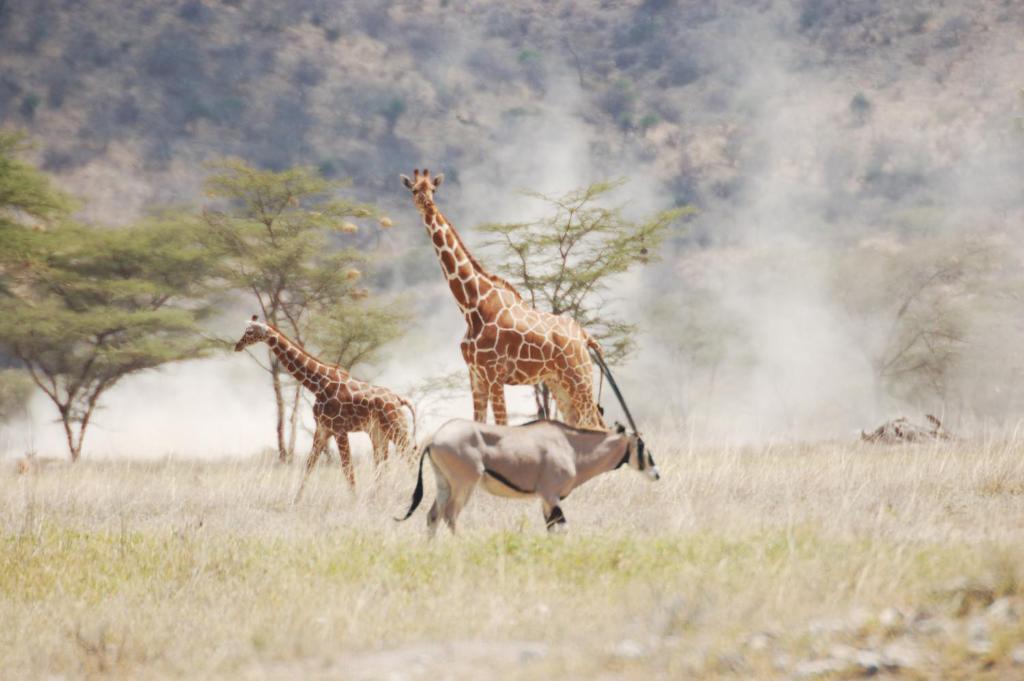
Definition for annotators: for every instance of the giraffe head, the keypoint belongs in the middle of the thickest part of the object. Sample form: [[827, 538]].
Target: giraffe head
[[422, 186], [255, 332]]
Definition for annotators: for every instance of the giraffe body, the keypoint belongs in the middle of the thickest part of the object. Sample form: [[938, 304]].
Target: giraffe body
[[342, 404], [507, 341]]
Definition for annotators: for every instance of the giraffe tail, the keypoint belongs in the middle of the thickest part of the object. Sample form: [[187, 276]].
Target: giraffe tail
[[412, 412], [595, 347]]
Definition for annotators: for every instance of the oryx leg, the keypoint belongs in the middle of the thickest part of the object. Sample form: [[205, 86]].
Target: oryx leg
[[496, 393], [553, 516], [320, 440], [444, 492], [456, 502], [346, 457]]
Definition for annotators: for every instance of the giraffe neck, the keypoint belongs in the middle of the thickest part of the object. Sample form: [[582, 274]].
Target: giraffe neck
[[466, 279], [304, 368]]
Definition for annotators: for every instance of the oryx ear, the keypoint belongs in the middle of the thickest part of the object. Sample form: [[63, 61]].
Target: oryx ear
[[438, 179], [406, 181], [619, 428]]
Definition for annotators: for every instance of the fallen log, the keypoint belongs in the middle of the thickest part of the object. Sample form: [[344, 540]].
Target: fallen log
[[903, 430]]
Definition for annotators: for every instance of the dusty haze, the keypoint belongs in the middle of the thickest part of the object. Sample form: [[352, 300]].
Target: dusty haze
[[816, 139]]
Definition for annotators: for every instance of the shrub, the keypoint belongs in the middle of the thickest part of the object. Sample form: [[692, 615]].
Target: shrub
[[527, 55], [29, 104], [683, 70], [309, 74], [648, 121], [56, 90], [195, 12], [127, 112], [392, 111], [174, 55], [619, 101], [860, 108]]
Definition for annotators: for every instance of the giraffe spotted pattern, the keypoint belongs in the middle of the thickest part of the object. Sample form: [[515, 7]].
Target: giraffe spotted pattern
[[507, 341], [343, 404]]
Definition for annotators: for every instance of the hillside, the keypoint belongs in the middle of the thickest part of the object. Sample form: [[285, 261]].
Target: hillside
[[127, 100]]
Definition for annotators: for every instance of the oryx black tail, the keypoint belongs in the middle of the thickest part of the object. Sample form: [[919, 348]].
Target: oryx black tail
[[417, 494]]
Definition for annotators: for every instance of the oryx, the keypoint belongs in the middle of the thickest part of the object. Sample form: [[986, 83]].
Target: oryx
[[547, 459]]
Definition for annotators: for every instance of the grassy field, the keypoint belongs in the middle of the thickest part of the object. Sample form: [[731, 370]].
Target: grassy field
[[810, 561]]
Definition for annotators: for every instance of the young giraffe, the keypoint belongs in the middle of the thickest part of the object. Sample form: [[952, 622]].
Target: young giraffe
[[343, 404], [507, 341]]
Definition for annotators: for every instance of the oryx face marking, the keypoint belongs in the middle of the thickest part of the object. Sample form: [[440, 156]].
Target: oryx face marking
[[640, 457]]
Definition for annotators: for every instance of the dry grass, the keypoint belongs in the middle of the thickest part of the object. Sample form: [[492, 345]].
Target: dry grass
[[205, 570]]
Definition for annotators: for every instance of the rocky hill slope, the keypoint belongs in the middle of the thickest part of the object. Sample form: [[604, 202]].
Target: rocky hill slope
[[700, 98]]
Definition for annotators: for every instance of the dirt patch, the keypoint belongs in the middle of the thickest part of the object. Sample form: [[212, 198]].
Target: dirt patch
[[448, 660]]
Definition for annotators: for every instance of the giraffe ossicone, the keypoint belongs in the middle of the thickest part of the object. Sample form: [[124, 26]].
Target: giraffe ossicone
[[342, 403], [507, 341]]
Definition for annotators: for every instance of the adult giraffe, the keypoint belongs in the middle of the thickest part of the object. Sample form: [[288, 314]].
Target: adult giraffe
[[507, 341]]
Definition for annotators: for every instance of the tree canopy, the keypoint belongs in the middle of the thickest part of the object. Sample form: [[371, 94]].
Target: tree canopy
[[567, 261], [96, 305]]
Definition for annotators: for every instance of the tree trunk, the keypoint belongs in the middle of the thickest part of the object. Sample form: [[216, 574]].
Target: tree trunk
[[275, 372], [74, 449]]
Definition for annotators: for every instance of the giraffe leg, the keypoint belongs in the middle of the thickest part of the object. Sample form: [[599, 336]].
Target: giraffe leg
[[496, 391], [588, 413], [479, 388], [380, 448], [346, 458], [404, 443], [320, 440], [575, 400], [566, 410], [399, 434]]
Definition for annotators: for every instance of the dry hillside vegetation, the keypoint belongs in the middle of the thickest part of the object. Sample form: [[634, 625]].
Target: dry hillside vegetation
[[770, 562], [129, 98]]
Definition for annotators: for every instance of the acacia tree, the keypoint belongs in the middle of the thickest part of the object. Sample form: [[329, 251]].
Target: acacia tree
[[918, 305], [271, 233], [566, 262], [85, 307], [97, 305]]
